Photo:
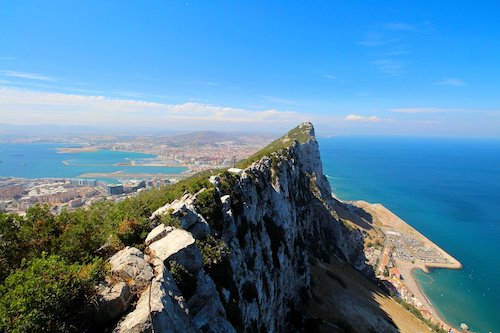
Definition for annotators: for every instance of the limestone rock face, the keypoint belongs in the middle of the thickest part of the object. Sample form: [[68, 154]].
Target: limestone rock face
[[178, 245], [131, 273], [113, 301], [157, 233], [206, 307], [184, 210], [131, 265], [277, 214], [160, 309]]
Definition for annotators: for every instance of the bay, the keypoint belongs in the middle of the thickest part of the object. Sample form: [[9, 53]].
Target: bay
[[41, 160]]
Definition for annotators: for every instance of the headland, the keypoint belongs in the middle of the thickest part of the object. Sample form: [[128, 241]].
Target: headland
[[401, 251]]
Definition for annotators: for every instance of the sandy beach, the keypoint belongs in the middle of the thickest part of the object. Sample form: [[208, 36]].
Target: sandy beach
[[388, 221], [119, 174], [68, 150]]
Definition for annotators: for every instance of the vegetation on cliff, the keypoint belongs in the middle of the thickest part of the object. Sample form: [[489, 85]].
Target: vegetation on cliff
[[299, 134], [49, 263]]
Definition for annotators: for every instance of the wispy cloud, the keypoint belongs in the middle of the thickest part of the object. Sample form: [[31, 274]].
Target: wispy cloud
[[28, 76], [388, 45], [451, 81], [398, 26], [376, 39], [355, 117], [329, 76], [391, 67], [427, 122], [7, 58], [278, 100], [205, 83], [31, 107]]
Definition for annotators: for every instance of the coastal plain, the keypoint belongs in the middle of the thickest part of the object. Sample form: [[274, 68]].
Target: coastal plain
[[408, 250]]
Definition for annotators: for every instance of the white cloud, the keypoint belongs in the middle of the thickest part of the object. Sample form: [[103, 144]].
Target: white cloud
[[32, 107], [29, 76], [355, 117], [451, 82]]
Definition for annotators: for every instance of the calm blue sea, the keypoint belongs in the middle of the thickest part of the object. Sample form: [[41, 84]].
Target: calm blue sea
[[448, 189], [41, 160]]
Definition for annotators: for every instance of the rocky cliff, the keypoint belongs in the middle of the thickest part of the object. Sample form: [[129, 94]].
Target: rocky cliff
[[239, 255]]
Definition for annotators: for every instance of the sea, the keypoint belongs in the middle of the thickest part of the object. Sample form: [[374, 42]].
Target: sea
[[449, 190], [42, 160]]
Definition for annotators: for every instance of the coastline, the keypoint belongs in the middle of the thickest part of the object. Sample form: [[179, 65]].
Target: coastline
[[385, 220], [191, 168], [69, 150], [436, 314], [120, 174]]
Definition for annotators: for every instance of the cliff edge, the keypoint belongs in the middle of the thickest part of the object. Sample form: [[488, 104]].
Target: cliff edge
[[246, 254]]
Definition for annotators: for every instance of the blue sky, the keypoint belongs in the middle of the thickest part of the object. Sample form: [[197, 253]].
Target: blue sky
[[359, 67]]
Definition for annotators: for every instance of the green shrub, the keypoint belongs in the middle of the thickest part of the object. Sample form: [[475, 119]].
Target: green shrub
[[11, 247], [208, 204], [185, 280], [169, 220], [133, 231], [213, 251], [227, 182], [48, 295], [298, 134]]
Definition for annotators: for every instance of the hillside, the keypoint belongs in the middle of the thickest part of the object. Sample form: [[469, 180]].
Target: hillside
[[256, 249]]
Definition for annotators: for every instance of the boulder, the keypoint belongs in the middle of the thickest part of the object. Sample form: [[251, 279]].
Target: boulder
[[178, 245], [130, 274], [130, 265], [183, 209], [160, 309], [112, 302], [157, 233]]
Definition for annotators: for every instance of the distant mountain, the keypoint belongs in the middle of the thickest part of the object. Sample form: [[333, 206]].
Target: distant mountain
[[181, 138], [212, 138]]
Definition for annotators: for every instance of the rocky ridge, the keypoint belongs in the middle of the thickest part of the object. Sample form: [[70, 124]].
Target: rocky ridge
[[274, 217]]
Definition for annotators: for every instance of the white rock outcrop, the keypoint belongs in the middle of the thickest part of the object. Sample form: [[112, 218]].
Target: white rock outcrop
[[160, 309], [178, 245], [113, 300], [157, 233], [132, 266], [183, 209]]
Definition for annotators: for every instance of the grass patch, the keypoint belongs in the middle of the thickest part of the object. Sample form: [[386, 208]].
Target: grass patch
[[299, 134]]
